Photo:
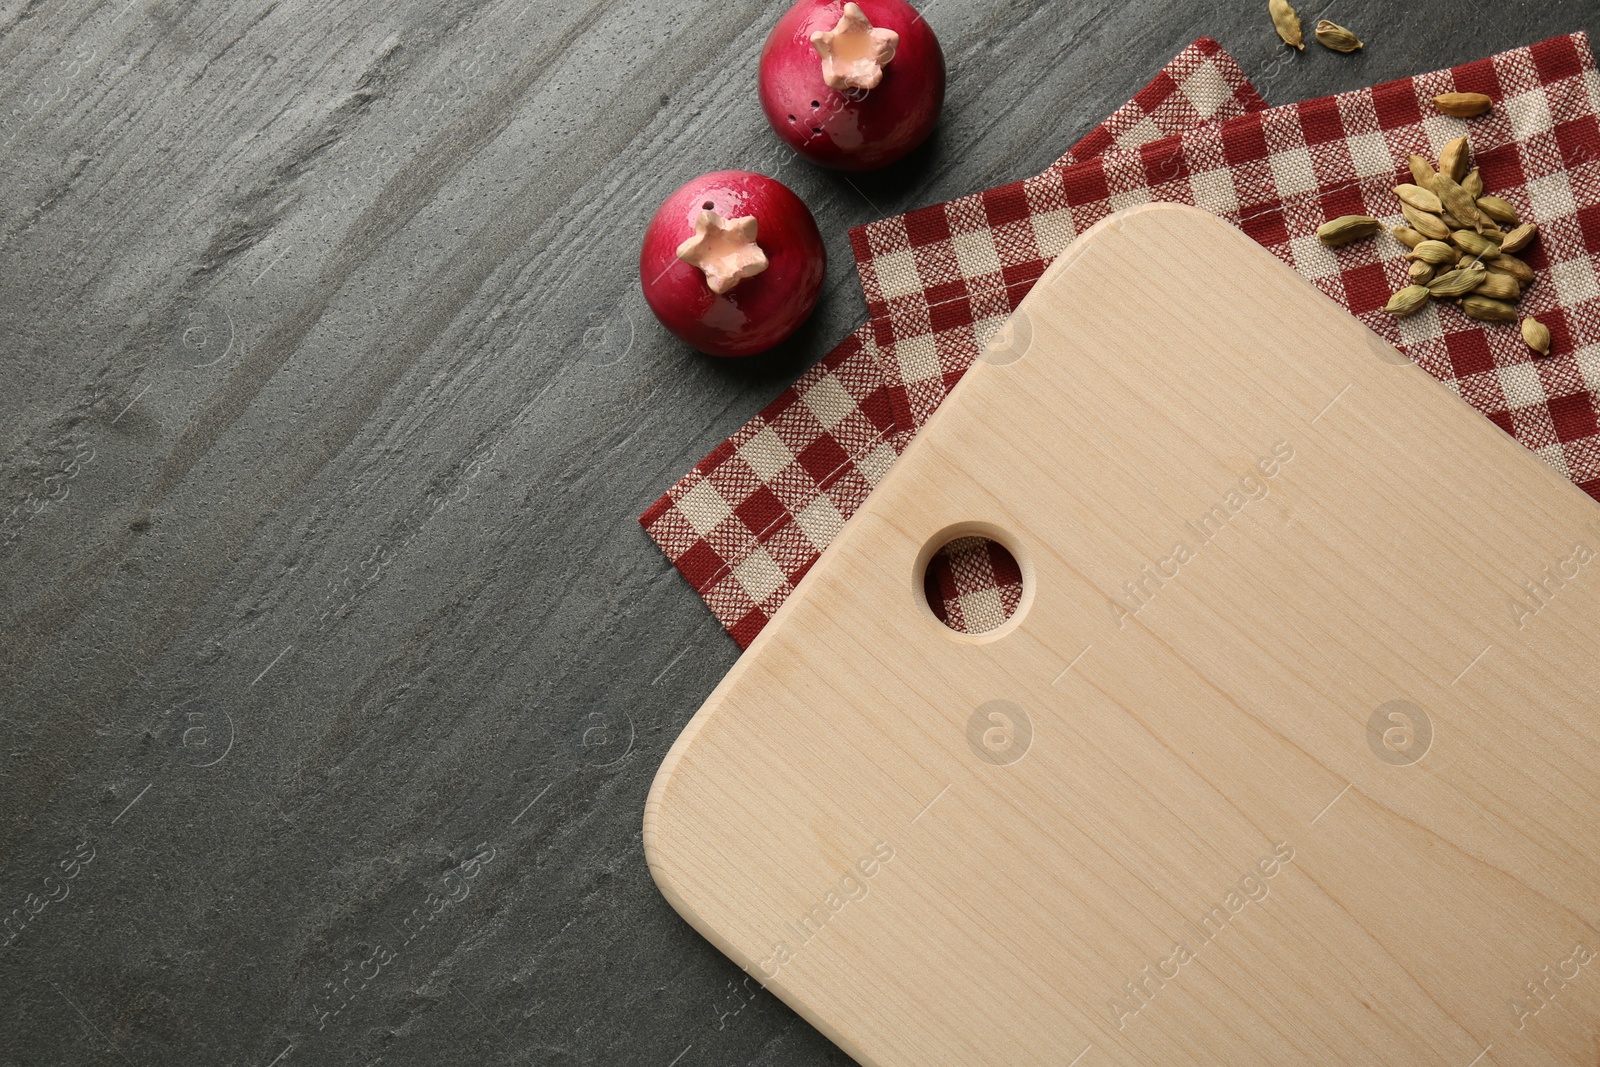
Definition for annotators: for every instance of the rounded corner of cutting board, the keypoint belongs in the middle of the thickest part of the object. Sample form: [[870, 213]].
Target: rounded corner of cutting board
[[657, 830], [658, 859], [681, 762], [664, 859], [658, 835]]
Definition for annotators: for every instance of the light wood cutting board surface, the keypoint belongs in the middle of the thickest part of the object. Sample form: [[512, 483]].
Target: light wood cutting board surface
[[1282, 760]]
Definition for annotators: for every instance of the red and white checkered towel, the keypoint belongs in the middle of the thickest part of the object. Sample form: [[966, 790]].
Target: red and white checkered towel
[[745, 525]]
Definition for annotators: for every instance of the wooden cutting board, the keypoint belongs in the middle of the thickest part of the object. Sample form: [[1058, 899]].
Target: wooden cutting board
[[1288, 756]]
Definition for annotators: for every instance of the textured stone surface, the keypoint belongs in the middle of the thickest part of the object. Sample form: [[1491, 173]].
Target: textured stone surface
[[334, 666]]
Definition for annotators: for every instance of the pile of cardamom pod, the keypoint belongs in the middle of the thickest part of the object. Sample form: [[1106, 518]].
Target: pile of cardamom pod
[[1459, 246]]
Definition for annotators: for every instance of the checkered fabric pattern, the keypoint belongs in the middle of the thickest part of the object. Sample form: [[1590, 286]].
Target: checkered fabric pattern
[[748, 521], [974, 585]]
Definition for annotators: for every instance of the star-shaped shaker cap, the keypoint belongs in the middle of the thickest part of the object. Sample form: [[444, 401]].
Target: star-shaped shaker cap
[[725, 249], [854, 53]]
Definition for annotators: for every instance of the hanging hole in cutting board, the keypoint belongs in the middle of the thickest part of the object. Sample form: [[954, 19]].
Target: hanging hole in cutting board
[[971, 582]]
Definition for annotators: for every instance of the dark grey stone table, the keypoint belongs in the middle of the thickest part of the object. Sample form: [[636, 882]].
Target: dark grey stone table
[[334, 665]]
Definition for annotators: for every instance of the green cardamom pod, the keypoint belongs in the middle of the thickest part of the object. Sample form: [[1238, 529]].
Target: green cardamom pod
[[1407, 236], [1456, 201], [1519, 238], [1462, 105], [1418, 197], [1455, 159], [1286, 22], [1485, 309], [1434, 252], [1509, 264], [1497, 209], [1347, 228], [1407, 301], [1474, 244], [1537, 334], [1456, 282], [1332, 35], [1424, 223], [1499, 286]]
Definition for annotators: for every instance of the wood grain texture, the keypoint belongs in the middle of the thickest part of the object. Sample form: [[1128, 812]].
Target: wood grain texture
[[328, 402], [1289, 765]]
